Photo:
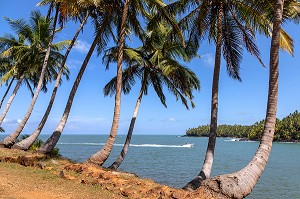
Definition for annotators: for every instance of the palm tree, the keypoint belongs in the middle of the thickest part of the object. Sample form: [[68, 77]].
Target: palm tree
[[28, 33], [133, 6], [104, 21], [101, 156], [229, 33], [21, 61], [241, 183], [8, 44], [27, 142], [155, 64], [228, 24]]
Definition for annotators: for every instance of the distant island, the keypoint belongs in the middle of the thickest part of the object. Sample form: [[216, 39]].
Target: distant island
[[287, 130]]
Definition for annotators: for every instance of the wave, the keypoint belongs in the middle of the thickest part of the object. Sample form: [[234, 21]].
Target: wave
[[132, 145], [238, 140]]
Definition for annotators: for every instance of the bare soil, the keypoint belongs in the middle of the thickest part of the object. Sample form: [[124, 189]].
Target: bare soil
[[24, 175]]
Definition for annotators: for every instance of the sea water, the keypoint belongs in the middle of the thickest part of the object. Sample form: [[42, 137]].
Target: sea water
[[165, 160]]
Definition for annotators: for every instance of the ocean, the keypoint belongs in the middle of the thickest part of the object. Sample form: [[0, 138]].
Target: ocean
[[164, 159]]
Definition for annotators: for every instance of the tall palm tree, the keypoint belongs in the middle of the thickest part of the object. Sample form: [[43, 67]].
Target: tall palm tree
[[129, 9], [229, 33], [21, 57], [8, 44], [22, 28], [27, 142], [155, 64], [101, 156], [105, 16], [241, 183], [230, 25]]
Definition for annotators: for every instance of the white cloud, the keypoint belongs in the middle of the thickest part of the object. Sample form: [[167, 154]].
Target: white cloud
[[82, 46], [11, 122], [208, 59], [172, 119]]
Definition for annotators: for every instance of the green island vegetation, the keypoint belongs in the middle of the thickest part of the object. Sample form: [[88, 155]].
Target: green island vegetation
[[287, 130]]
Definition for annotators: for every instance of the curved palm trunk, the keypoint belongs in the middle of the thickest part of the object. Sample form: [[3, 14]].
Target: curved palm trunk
[[10, 140], [10, 100], [241, 183], [123, 153], [8, 88], [49, 145], [101, 156], [209, 156], [26, 143]]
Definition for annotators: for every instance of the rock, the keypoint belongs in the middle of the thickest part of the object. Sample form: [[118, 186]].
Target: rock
[[48, 168]]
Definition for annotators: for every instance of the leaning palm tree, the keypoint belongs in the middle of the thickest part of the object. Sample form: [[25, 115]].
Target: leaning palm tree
[[10, 68], [155, 64], [39, 25], [27, 142], [101, 156], [105, 16], [241, 183], [21, 61], [129, 18], [228, 25]]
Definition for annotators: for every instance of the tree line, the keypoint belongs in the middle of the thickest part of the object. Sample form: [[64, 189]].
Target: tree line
[[170, 34], [286, 130]]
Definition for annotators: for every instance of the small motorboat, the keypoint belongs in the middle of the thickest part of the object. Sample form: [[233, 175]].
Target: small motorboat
[[188, 145]]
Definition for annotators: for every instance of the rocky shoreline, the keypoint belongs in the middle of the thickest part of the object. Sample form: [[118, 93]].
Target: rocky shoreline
[[120, 184]]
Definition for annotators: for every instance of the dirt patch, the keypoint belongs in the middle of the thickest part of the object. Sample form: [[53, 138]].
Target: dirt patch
[[28, 176]]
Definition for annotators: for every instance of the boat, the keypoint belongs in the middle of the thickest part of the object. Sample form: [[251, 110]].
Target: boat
[[188, 145]]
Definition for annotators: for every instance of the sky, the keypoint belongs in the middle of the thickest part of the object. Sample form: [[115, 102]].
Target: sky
[[239, 102]]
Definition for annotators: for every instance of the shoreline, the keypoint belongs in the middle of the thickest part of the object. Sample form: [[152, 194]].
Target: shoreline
[[77, 180]]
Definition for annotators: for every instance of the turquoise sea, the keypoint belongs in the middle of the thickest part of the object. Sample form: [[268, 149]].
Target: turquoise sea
[[163, 159]]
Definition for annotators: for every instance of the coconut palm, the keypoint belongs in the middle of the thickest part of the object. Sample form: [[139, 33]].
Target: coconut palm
[[155, 64], [108, 12], [39, 25], [27, 142], [21, 58], [104, 19], [101, 156], [241, 183], [9, 70], [129, 18], [230, 25]]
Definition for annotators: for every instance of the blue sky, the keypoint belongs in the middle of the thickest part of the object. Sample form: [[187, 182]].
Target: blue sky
[[239, 103]]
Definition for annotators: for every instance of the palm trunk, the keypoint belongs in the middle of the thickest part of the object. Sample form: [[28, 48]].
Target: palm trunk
[[8, 88], [241, 183], [123, 153], [49, 145], [26, 143], [10, 140], [209, 156], [10, 100], [101, 156]]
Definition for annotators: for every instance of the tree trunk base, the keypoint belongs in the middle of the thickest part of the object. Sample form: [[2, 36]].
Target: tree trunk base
[[195, 183], [16, 146], [227, 186]]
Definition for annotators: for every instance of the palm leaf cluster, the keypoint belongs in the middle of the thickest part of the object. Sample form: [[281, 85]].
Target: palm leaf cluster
[[24, 55]]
